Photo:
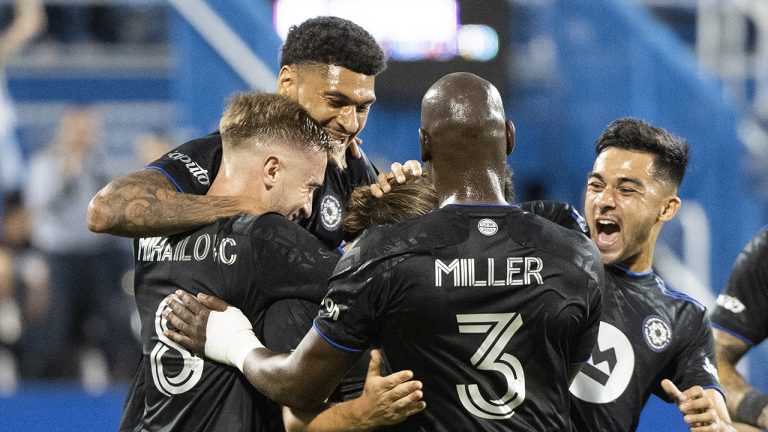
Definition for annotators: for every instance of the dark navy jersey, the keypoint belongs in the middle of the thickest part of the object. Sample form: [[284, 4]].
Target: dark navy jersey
[[647, 333], [256, 263], [558, 212], [488, 305], [740, 310], [192, 167]]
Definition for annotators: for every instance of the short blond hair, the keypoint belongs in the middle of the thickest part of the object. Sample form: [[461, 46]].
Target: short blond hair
[[270, 119]]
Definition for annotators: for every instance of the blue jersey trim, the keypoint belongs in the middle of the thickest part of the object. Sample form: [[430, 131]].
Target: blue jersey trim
[[719, 390], [634, 274], [178, 188], [733, 333], [676, 294], [341, 347]]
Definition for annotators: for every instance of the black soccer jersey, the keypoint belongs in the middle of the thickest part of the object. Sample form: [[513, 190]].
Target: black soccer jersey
[[192, 167], [253, 262], [488, 305], [647, 333], [740, 310]]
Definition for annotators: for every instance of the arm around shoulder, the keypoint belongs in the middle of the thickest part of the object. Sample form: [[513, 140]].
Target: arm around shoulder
[[145, 203]]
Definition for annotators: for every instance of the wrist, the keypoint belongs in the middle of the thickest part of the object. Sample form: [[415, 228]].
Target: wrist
[[357, 415], [229, 337], [753, 409]]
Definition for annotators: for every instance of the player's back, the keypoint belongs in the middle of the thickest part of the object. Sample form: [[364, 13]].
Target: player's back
[[250, 262], [488, 305]]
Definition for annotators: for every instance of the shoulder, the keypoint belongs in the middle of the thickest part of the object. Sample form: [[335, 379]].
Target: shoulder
[[680, 304], [570, 245], [560, 213]]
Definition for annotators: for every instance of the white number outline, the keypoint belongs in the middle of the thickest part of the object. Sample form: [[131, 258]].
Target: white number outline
[[490, 356], [193, 366]]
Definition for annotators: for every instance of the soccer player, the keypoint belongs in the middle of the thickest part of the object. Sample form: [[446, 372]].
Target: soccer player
[[493, 309], [274, 155], [740, 322], [328, 65], [648, 333]]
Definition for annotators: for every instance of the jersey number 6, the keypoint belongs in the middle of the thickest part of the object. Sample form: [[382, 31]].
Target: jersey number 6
[[490, 356]]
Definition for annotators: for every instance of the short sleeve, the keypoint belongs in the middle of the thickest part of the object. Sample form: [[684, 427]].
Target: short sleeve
[[695, 364], [192, 166], [349, 317], [740, 310]]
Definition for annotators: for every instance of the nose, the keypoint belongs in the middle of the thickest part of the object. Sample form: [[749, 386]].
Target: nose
[[347, 119], [605, 199]]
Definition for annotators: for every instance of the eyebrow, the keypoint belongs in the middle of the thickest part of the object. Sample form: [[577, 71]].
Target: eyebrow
[[621, 179], [344, 98]]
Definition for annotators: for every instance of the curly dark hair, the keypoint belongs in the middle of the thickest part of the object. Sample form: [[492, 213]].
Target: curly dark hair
[[670, 152], [333, 41]]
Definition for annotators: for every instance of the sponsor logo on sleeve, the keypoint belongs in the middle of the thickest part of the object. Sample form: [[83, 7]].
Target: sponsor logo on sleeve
[[732, 304], [710, 368], [196, 170]]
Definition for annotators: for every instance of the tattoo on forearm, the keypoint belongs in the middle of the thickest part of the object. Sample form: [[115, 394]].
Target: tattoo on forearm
[[148, 207]]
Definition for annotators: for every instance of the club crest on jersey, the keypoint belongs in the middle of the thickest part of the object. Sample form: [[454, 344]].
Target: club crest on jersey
[[330, 212], [487, 227], [657, 333]]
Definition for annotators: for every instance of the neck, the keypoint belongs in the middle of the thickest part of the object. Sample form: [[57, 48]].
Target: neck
[[472, 187], [643, 261]]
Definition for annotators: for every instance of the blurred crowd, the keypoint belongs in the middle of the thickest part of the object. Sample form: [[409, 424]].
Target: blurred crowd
[[65, 293]]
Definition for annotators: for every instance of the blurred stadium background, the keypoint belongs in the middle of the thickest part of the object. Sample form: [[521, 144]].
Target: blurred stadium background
[[155, 73]]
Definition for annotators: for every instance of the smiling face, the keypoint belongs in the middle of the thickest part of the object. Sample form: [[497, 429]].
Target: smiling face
[[295, 183], [337, 98], [626, 204]]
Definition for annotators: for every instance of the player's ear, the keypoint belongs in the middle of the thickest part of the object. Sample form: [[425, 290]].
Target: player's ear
[[426, 153], [271, 170], [287, 82], [671, 206], [510, 127]]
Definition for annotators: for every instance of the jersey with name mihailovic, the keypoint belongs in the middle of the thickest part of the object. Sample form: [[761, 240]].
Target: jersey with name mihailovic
[[487, 305], [647, 333], [741, 309], [192, 166], [252, 262]]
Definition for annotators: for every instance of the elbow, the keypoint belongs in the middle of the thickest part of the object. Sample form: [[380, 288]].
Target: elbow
[[98, 218]]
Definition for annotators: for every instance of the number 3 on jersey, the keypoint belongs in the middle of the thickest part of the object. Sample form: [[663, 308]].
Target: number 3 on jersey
[[490, 356], [192, 366]]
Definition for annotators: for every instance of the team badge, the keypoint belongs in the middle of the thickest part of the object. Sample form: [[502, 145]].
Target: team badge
[[487, 227], [657, 333], [330, 212]]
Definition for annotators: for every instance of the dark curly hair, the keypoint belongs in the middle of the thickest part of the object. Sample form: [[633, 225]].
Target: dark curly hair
[[333, 41], [670, 152]]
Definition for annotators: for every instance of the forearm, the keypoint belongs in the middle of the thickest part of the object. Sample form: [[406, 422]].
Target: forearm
[[144, 204], [745, 404], [345, 416], [278, 377]]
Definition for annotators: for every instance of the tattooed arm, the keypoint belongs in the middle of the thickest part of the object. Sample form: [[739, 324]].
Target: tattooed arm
[[729, 350], [145, 203]]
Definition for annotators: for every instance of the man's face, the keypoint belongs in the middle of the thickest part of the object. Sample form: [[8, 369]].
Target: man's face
[[337, 98], [623, 203], [299, 176]]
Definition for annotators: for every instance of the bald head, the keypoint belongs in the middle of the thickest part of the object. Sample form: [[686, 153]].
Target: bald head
[[465, 136]]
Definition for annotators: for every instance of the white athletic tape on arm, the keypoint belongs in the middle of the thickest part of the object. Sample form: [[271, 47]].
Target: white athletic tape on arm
[[229, 337]]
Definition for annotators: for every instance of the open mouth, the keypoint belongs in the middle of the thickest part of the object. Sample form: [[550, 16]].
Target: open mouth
[[607, 233]]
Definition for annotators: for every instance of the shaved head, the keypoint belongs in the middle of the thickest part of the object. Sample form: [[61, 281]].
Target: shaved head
[[464, 133]]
